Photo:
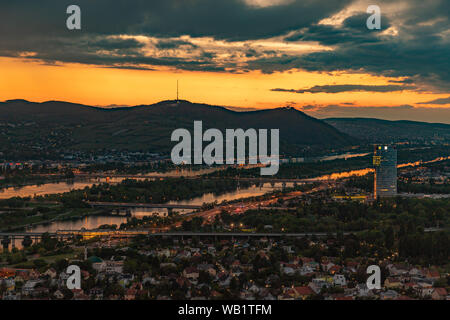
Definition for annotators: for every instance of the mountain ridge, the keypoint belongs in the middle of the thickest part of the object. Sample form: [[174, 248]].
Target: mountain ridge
[[149, 127], [384, 120], [384, 131]]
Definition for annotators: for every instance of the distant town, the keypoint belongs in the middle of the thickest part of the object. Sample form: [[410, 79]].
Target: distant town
[[140, 228]]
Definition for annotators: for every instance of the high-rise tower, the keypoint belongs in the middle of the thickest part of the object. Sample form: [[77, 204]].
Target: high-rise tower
[[385, 180]]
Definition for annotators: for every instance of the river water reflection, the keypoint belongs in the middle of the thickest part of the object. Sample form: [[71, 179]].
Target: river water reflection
[[66, 186], [96, 221]]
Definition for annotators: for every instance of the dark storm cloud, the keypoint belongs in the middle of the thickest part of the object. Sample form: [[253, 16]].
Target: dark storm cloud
[[353, 30], [173, 44], [230, 19], [405, 81], [437, 101], [418, 50], [40, 26], [346, 88], [114, 44]]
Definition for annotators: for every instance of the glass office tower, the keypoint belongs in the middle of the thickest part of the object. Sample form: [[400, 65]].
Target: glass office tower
[[385, 180]]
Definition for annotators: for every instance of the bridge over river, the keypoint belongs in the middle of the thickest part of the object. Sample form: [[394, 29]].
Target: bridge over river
[[88, 234]]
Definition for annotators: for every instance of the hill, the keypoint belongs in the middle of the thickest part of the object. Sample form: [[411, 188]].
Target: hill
[[56, 125], [385, 131]]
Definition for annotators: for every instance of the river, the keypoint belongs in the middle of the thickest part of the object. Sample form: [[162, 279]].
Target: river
[[66, 186], [93, 222], [96, 221]]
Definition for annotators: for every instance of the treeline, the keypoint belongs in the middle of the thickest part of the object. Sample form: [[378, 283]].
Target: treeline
[[432, 247], [429, 188], [394, 225], [302, 170], [366, 183], [147, 191], [23, 178], [123, 168], [120, 167], [323, 216]]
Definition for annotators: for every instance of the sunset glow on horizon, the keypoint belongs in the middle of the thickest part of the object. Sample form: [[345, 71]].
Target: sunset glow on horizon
[[98, 86], [241, 54]]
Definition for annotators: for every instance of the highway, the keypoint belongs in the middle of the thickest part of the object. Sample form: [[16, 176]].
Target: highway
[[133, 233]]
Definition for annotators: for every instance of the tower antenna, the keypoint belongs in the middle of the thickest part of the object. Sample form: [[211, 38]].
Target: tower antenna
[[177, 92]]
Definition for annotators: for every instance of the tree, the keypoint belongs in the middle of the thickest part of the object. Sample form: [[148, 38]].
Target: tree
[[389, 237]]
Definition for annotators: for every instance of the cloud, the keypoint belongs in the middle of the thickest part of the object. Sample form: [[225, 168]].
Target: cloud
[[417, 48], [437, 101], [162, 30], [404, 81], [230, 20], [233, 36], [113, 43], [347, 88], [174, 44]]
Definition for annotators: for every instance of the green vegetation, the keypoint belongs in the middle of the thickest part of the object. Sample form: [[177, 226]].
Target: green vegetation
[[19, 213], [33, 175], [394, 223], [324, 216], [431, 188], [60, 126], [122, 168], [49, 252], [146, 191]]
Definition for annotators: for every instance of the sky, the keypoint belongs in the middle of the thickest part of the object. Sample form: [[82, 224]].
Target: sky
[[317, 56]]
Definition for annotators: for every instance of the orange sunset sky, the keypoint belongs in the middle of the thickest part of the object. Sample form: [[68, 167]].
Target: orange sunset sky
[[317, 56], [93, 85]]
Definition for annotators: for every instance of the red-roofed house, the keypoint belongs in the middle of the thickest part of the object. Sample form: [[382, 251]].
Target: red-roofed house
[[432, 274], [130, 294], [302, 292], [439, 294], [334, 269]]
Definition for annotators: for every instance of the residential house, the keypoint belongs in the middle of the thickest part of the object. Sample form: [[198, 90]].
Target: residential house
[[301, 292], [388, 295], [339, 280], [439, 294], [191, 273], [392, 282]]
